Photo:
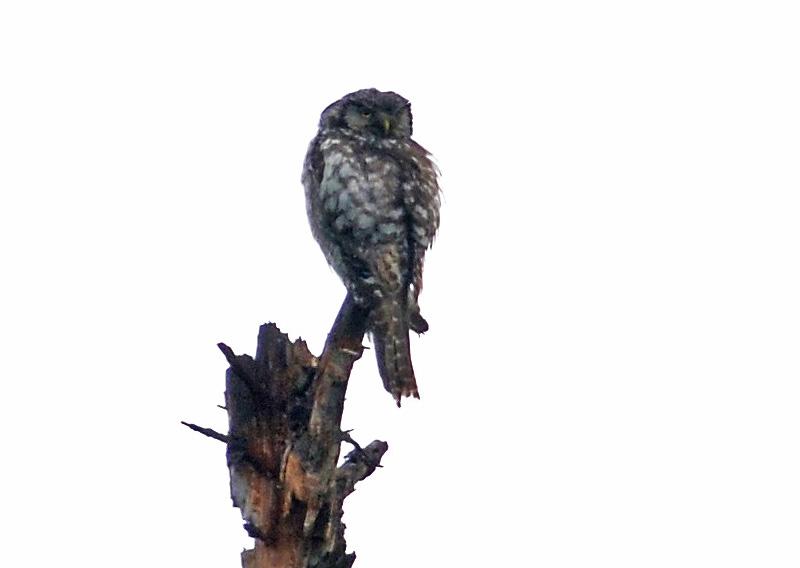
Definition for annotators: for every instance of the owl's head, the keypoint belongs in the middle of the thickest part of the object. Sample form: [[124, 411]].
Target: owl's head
[[382, 113]]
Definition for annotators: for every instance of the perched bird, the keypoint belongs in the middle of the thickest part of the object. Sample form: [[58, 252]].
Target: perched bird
[[372, 198]]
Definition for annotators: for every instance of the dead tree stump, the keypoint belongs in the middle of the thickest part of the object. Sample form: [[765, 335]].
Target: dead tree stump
[[284, 414]]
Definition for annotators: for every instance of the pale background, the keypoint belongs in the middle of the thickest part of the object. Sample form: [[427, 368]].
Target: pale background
[[611, 375]]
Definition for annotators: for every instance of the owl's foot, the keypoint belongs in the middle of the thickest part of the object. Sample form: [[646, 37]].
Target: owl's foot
[[417, 323]]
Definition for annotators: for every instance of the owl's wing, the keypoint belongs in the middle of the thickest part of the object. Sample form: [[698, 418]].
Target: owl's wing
[[422, 202]]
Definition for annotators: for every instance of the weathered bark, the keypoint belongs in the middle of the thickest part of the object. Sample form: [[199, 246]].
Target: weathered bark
[[284, 413]]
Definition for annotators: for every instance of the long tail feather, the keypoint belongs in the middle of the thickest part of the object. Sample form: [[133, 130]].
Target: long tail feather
[[390, 328]]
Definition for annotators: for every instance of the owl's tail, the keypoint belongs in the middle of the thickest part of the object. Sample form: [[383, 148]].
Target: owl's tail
[[389, 328]]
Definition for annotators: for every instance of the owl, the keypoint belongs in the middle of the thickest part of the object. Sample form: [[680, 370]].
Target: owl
[[372, 197]]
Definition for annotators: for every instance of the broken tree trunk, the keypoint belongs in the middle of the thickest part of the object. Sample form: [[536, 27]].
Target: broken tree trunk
[[284, 413]]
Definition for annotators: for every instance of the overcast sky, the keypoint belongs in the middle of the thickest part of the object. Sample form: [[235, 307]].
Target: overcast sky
[[611, 375]]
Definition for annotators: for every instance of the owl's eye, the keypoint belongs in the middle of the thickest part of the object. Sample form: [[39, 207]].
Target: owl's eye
[[366, 113]]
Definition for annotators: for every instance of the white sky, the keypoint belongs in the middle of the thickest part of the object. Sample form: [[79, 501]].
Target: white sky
[[611, 375]]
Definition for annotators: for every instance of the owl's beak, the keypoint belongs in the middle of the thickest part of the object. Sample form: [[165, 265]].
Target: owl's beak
[[387, 124]]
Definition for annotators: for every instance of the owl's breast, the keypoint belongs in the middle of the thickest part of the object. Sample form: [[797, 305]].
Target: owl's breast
[[360, 194]]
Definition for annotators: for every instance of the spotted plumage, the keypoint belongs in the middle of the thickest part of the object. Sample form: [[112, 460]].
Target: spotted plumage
[[373, 204]]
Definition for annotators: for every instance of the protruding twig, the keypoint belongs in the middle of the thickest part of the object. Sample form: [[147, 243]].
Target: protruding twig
[[228, 352], [362, 462], [244, 368], [207, 432], [359, 452]]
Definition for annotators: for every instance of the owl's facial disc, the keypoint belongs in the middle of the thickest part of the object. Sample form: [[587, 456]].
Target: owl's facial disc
[[381, 114], [381, 122]]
